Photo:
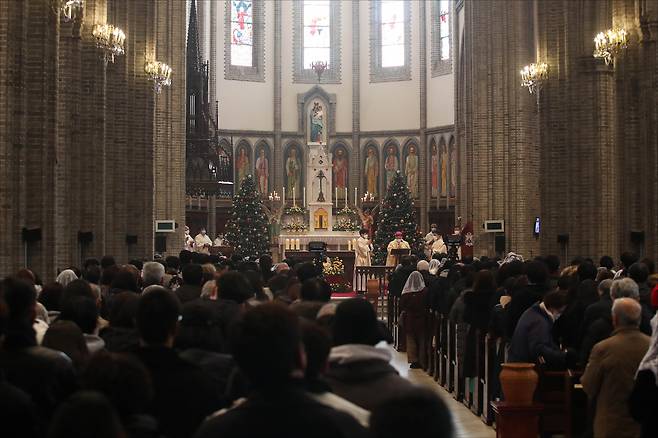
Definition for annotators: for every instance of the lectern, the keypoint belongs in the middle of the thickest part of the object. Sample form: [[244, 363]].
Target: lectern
[[398, 253]]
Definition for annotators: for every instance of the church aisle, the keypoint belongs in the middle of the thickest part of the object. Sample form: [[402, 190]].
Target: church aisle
[[467, 424]]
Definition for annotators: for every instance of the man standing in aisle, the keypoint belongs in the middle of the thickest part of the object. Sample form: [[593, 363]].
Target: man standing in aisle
[[202, 242], [397, 243], [363, 249]]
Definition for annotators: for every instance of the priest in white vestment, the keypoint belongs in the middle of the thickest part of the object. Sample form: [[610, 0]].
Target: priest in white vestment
[[362, 249], [430, 238], [202, 242], [439, 246], [397, 243]]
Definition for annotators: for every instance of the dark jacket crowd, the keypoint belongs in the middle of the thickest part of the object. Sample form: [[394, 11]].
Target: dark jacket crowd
[[595, 318], [200, 346]]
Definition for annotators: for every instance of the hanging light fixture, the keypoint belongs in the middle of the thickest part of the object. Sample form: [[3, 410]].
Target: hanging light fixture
[[110, 39], [533, 76], [609, 44], [159, 73], [319, 67], [72, 9]]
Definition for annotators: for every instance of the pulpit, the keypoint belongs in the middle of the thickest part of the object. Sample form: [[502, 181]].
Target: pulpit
[[398, 253]]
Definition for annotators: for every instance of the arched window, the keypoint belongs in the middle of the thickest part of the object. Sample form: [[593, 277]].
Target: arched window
[[441, 37], [390, 41], [316, 39], [244, 40]]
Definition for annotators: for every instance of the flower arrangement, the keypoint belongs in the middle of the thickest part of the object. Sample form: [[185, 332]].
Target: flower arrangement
[[333, 266], [296, 210], [346, 211], [295, 226], [346, 224], [334, 273]]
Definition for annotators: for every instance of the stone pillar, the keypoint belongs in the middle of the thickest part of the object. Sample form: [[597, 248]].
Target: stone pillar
[[499, 131]]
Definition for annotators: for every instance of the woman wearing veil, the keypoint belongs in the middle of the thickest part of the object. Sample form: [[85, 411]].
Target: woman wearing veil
[[413, 307]]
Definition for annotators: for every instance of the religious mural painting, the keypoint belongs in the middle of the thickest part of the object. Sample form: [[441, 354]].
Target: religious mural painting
[[453, 167], [317, 123], [293, 171], [242, 161], [443, 162], [434, 169], [262, 168], [371, 170], [391, 162], [341, 169], [411, 167]]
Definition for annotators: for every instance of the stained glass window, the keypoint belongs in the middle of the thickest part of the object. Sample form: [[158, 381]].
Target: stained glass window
[[242, 33], [444, 26], [317, 32], [392, 33]]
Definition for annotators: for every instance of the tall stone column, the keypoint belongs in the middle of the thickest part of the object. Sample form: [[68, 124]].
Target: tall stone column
[[499, 131]]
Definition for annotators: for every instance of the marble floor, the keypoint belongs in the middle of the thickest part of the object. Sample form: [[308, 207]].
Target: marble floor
[[468, 425]]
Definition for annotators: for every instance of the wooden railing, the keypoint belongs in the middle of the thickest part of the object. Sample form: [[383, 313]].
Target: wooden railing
[[565, 403]]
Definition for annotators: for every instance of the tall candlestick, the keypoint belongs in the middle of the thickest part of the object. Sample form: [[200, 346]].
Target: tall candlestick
[[356, 195], [284, 196], [346, 197], [336, 196], [304, 201]]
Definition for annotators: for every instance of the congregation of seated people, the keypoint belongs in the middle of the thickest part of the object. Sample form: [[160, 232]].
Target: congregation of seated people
[[200, 346], [592, 318]]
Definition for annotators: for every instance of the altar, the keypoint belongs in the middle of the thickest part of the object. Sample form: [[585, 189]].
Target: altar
[[316, 205]]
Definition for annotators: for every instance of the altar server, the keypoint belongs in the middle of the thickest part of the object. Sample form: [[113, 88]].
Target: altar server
[[363, 249]]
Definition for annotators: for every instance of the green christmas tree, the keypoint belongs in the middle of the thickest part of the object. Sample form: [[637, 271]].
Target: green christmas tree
[[397, 213], [247, 228]]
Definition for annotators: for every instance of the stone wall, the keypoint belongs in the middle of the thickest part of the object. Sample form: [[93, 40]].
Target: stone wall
[[85, 147], [582, 156]]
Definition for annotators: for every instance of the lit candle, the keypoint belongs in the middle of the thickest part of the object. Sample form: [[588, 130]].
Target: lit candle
[[345, 197], [304, 201], [297, 244], [287, 242], [349, 245], [284, 195], [336, 197], [356, 195], [294, 204]]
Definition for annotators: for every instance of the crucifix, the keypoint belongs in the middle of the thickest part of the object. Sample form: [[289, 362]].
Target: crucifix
[[321, 195]]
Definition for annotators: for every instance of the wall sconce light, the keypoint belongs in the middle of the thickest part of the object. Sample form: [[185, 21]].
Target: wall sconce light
[[609, 44], [159, 73], [533, 76], [110, 39]]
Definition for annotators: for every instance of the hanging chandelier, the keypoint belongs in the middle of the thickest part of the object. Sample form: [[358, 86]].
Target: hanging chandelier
[[319, 67], [110, 39], [609, 44], [159, 73], [72, 9], [533, 76]]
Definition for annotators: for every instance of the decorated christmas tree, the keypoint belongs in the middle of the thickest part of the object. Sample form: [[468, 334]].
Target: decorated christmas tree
[[247, 229], [397, 213]]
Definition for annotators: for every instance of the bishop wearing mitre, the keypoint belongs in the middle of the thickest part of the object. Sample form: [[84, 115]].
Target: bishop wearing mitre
[[202, 242], [362, 249], [397, 243]]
